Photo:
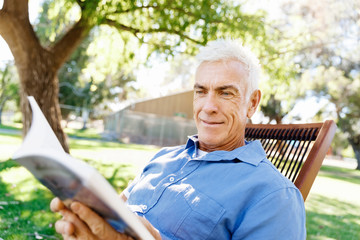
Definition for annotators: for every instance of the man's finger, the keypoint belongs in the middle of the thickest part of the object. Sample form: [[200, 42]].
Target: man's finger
[[56, 205], [64, 227], [98, 226], [80, 229]]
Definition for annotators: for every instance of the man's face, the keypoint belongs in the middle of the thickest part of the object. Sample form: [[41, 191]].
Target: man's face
[[220, 104]]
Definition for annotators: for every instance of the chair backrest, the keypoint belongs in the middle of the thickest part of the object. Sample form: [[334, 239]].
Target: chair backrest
[[296, 150]]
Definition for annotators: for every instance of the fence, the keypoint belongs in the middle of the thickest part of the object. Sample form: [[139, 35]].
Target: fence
[[146, 128]]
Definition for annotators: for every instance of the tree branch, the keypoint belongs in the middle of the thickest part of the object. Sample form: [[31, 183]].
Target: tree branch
[[63, 48], [162, 8], [120, 26], [135, 31], [18, 7]]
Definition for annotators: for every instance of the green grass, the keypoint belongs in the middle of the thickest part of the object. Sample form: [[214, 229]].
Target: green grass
[[11, 127], [333, 205], [90, 144], [341, 174], [24, 206], [329, 218], [83, 133], [332, 208], [8, 145]]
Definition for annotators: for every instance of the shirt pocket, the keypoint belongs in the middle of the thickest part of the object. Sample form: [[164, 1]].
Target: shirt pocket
[[190, 214]]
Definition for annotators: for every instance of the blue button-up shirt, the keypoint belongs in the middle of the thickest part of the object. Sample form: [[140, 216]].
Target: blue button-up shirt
[[235, 194]]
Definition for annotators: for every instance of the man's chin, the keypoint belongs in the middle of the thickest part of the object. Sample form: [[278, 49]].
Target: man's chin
[[210, 141]]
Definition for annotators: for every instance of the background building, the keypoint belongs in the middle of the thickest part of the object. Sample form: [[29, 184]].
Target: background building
[[162, 121]]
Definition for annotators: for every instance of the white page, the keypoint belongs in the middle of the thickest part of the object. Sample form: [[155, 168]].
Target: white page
[[41, 150], [41, 131]]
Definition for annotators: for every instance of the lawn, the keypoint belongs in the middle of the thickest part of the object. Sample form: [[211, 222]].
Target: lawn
[[332, 208]]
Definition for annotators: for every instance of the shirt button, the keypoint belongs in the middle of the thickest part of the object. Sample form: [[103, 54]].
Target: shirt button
[[144, 207], [172, 179]]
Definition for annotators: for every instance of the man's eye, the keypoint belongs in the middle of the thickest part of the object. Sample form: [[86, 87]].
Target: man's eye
[[226, 94], [199, 92]]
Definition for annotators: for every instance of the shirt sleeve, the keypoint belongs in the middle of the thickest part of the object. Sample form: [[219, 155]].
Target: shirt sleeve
[[279, 215], [131, 185]]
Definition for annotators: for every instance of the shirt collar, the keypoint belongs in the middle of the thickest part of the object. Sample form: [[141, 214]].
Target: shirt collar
[[252, 152]]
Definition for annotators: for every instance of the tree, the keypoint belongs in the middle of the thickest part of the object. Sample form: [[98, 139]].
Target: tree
[[8, 86], [281, 69], [87, 80], [330, 59], [164, 26], [343, 94], [180, 76]]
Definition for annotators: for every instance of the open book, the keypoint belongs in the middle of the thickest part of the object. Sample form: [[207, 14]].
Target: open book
[[71, 179]]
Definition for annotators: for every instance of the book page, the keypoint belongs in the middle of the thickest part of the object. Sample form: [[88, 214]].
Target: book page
[[70, 186], [71, 179], [40, 134]]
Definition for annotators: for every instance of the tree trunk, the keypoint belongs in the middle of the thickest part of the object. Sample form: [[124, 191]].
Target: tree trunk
[[355, 144], [38, 66], [38, 77]]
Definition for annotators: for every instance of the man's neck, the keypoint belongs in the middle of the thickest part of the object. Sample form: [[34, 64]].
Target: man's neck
[[225, 147]]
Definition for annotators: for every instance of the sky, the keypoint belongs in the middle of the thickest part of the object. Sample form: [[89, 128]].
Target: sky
[[5, 53]]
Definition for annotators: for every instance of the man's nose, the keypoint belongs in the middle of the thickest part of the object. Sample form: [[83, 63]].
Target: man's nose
[[211, 104]]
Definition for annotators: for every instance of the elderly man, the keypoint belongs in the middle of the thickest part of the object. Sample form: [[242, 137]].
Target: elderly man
[[217, 186]]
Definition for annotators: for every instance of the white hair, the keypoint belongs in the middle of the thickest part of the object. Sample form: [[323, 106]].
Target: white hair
[[229, 49]]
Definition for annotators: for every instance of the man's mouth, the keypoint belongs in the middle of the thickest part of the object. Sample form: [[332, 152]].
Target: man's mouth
[[211, 123]]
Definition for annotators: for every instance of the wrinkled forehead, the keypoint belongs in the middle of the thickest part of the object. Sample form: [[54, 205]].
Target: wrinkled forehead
[[223, 71]]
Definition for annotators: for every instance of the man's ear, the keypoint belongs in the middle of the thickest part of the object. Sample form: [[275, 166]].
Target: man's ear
[[253, 103]]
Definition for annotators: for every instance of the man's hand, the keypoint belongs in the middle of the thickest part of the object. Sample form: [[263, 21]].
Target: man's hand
[[80, 222]]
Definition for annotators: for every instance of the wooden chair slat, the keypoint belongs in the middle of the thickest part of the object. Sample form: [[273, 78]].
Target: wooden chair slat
[[296, 150]]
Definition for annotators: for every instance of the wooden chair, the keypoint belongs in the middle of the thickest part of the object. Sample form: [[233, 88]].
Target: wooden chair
[[296, 150]]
